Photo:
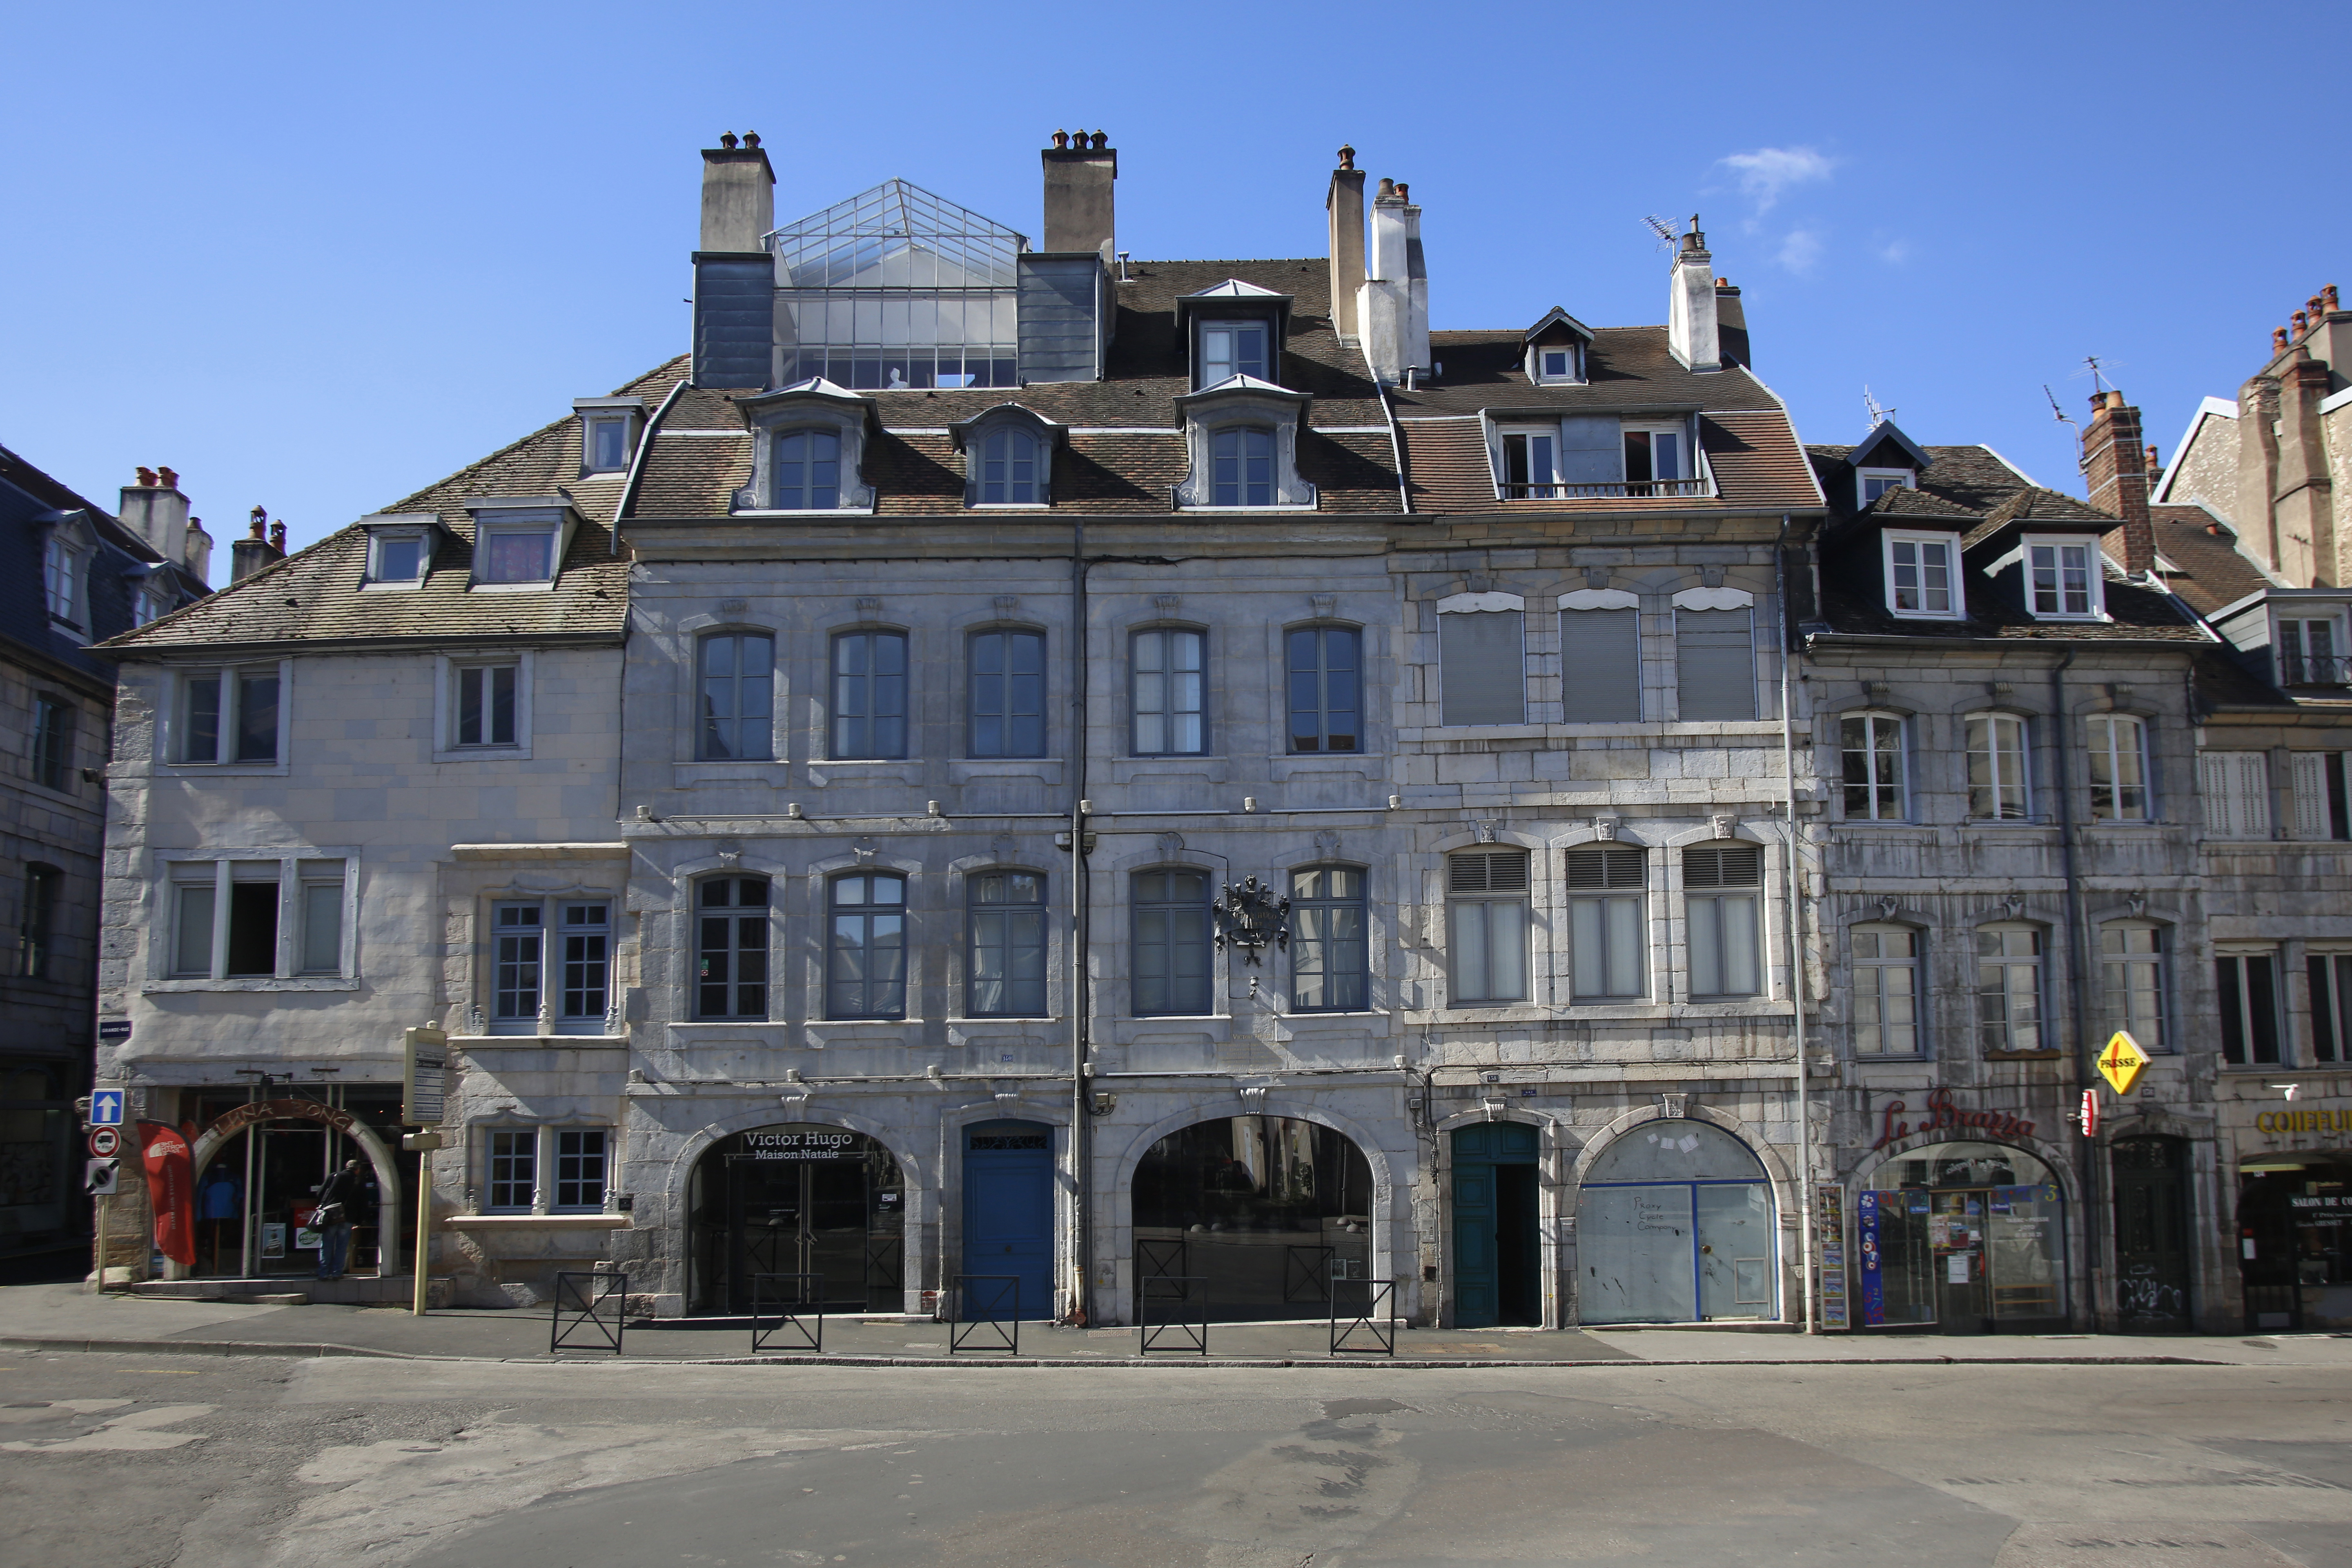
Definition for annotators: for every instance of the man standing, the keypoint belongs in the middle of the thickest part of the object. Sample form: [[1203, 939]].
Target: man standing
[[333, 1219]]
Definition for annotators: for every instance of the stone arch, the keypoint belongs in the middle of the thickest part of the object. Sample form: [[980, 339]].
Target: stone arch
[[1788, 1210], [380, 1155]]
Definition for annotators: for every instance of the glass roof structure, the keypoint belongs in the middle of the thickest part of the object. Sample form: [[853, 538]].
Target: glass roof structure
[[898, 236]]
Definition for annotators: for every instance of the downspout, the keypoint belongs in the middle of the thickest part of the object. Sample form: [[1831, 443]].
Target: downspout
[[1796, 920], [2085, 1049], [1081, 1130]]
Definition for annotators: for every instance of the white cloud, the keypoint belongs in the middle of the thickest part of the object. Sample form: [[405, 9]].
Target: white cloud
[[1895, 252], [1799, 250], [1767, 172]]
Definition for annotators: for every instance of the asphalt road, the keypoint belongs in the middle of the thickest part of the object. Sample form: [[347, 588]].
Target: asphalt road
[[107, 1461]]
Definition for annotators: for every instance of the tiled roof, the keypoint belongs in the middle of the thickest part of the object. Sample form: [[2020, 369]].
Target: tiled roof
[[1627, 368], [2137, 615], [2211, 572], [1754, 454]]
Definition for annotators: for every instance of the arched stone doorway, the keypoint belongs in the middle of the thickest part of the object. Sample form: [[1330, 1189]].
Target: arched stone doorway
[[1266, 1210], [1968, 1237], [254, 1205], [1675, 1225], [797, 1198]]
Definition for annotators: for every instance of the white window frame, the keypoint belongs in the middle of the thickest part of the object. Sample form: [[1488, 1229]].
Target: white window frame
[[1874, 722], [1203, 328], [2038, 963], [1549, 488], [544, 1139], [2110, 722], [377, 538], [297, 869], [1914, 964], [2317, 780], [172, 733], [65, 581], [1685, 440], [2156, 1036], [553, 529], [1473, 904], [2336, 658], [590, 425], [446, 667], [1955, 588], [2095, 577], [1573, 376], [1905, 477], [2281, 1034], [1993, 721]]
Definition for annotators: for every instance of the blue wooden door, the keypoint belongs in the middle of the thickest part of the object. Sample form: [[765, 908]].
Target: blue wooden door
[[1479, 1231], [1008, 1215]]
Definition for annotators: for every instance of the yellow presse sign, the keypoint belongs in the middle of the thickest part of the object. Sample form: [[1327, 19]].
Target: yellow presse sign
[[2121, 1062]]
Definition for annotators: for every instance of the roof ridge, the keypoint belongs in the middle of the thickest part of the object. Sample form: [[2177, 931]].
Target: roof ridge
[[515, 444]]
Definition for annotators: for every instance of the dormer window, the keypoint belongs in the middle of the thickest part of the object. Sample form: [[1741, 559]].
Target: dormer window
[[1010, 470], [1654, 458], [608, 445], [1555, 348], [1241, 463], [1923, 575], [2311, 651], [808, 470], [608, 433], [1876, 482], [517, 544], [1243, 447], [61, 580], [396, 560], [1532, 464], [2062, 579], [1556, 366], [1233, 348]]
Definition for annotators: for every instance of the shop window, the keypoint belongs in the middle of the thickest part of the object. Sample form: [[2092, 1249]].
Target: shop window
[[37, 921], [866, 949], [1008, 694], [2009, 988], [2118, 747], [1997, 787], [1675, 1225], [2236, 790], [1324, 668], [1602, 649], [797, 1198], [1886, 990], [1004, 972], [1608, 922], [1266, 1211], [1170, 911], [732, 947], [1168, 665], [2331, 1005], [1969, 1236], [1723, 897], [869, 696], [53, 727], [736, 696], [1330, 956], [1487, 906], [1482, 673], [1714, 664], [1877, 774], [2248, 983], [2132, 964]]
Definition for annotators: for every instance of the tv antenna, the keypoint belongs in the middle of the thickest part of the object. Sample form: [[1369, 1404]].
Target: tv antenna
[[1664, 229], [1878, 415], [2097, 370], [2081, 464]]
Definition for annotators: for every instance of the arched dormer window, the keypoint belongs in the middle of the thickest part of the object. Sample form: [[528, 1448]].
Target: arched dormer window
[[1008, 457], [1242, 440], [808, 470], [1241, 467], [809, 452]]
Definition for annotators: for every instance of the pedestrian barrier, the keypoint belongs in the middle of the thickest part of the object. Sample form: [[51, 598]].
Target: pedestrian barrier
[[1186, 1321], [599, 1300], [1306, 1274], [1370, 1316], [790, 1305], [985, 1314]]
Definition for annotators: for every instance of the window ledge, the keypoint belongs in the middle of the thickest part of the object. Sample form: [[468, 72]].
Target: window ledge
[[408, 586], [255, 982], [483, 754], [494, 1042], [216, 770], [537, 1221], [825, 512], [2024, 1056], [546, 587]]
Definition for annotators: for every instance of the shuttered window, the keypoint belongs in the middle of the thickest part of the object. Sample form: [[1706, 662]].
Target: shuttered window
[[1714, 664], [1607, 928], [2248, 983], [1481, 677], [1723, 888], [2318, 778], [1601, 666], [2236, 790], [1487, 906]]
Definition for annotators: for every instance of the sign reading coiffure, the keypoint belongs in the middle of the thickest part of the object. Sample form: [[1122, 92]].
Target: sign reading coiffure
[[2300, 1121], [1945, 1115]]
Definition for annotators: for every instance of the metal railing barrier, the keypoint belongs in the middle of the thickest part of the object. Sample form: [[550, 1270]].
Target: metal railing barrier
[[791, 1307], [599, 1300], [1366, 1325], [1306, 1273], [1187, 1320], [986, 1314]]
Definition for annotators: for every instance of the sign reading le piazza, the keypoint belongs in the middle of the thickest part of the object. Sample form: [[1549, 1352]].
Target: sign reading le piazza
[[1942, 1114]]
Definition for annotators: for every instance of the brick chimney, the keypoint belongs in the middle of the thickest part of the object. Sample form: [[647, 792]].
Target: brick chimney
[[2115, 465], [1345, 206], [734, 278], [257, 550], [155, 510], [1080, 171]]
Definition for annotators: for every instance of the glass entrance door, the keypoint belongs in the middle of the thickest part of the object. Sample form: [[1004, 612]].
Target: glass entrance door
[[799, 1199]]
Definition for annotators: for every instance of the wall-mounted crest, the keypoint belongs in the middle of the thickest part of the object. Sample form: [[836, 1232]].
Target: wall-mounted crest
[[1250, 915]]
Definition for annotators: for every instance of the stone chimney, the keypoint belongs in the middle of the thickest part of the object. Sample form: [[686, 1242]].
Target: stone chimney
[[155, 510], [1730, 324], [1384, 303], [1690, 305], [257, 550], [2114, 467], [1345, 206], [1080, 171], [734, 277], [196, 552], [1416, 277]]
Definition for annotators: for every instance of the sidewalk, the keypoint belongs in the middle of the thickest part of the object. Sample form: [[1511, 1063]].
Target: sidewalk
[[68, 1317]]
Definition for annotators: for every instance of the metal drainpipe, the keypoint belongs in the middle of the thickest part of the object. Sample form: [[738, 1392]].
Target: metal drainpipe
[[2085, 1049], [1081, 1130], [1796, 927]]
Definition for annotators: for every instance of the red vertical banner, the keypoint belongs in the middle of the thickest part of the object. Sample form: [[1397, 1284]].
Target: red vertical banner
[[172, 1190]]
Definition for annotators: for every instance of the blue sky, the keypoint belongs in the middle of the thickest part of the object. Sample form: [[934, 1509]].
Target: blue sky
[[317, 257]]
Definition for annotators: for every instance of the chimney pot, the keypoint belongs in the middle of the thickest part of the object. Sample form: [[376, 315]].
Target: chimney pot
[[277, 537], [2278, 339], [751, 139], [1387, 189], [727, 140], [2328, 296], [2152, 463], [168, 478], [2301, 324], [1080, 205], [1061, 141], [1102, 143], [259, 522], [1404, 192], [146, 478], [1347, 157]]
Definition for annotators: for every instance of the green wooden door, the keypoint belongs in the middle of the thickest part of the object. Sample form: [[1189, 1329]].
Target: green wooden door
[[1488, 1242]]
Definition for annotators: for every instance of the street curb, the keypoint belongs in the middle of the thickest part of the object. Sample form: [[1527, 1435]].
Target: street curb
[[323, 1349]]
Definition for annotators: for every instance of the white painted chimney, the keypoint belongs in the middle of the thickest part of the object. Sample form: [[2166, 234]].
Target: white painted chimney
[[1690, 304], [155, 510], [1416, 276], [196, 553], [1384, 304]]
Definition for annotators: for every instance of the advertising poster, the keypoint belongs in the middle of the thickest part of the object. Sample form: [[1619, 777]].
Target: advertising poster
[[172, 1190], [1830, 1234], [1874, 1287]]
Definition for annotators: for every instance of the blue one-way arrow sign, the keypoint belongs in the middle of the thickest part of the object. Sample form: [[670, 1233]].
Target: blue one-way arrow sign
[[106, 1108]]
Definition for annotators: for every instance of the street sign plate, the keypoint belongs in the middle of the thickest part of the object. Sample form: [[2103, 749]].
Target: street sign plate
[[104, 1142], [106, 1108], [114, 1031], [2121, 1062], [2090, 1116], [98, 1178]]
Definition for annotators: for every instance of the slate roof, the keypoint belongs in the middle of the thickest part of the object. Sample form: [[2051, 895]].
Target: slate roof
[[2211, 572], [125, 562]]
